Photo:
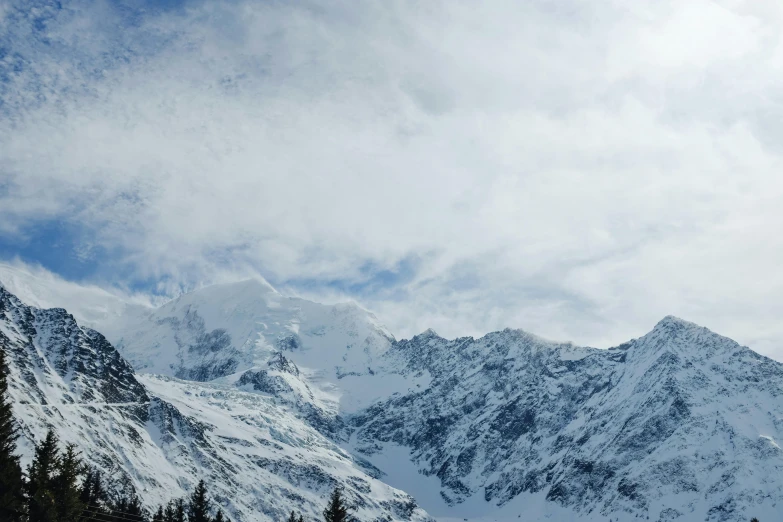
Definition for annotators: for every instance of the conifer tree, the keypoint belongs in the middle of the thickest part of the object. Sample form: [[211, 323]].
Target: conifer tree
[[65, 485], [159, 516], [179, 510], [219, 516], [91, 491], [134, 510], [93, 495], [292, 517], [199, 504], [12, 505], [337, 510], [170, 513], [300, 519], [117, 508], [40, 495], [127, 508]]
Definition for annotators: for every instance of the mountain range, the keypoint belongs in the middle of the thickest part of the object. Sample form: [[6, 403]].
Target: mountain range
[[275, 400]]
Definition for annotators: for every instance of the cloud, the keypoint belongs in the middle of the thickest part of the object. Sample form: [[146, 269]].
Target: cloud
[[578, 170], [91, 304]]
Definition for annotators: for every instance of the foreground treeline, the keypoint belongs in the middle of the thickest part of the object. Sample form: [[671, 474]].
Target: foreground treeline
[[59, 487]]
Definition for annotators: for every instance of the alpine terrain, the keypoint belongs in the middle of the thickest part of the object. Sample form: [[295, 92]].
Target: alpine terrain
[[277, 400]]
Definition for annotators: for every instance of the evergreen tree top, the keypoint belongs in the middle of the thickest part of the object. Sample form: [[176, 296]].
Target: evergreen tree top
[[199, 505], [11, 479], [44, 460], [337, 510]]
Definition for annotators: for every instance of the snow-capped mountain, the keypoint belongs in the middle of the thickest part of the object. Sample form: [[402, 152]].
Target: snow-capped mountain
[[161, 435], [223, 329], [249, 335], [680, 424]]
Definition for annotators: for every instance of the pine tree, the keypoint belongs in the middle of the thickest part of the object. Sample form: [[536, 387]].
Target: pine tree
[[170, 513], [12, 503], [117, 508], [219, 516], [127, 508], [93, 513], [179, 510], [65, 485], [159, 516], [754, 519], [300, 519], [40, 495], [93, 495], [292, 517], [336, 511], [134, 510], [199, 504]]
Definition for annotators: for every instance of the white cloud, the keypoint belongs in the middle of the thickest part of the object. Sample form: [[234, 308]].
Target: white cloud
[[91, 304], [578, 170]]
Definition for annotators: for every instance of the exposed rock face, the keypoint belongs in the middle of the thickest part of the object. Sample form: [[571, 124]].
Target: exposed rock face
[[204, 355], [57, 357]]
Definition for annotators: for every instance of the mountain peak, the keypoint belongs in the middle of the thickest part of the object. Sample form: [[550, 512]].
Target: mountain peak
[[672, 320], [427, 334], [683, 337], [672, 325]]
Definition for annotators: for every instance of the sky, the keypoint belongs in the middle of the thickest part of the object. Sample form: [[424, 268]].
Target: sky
[[575, 169]]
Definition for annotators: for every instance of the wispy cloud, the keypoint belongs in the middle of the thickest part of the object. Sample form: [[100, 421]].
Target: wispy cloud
[[576, 169]]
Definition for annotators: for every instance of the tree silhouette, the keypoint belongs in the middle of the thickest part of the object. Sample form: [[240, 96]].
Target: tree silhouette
[[337, 510], [65, 485], [40, 497], [12, 505], [199, 504]]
